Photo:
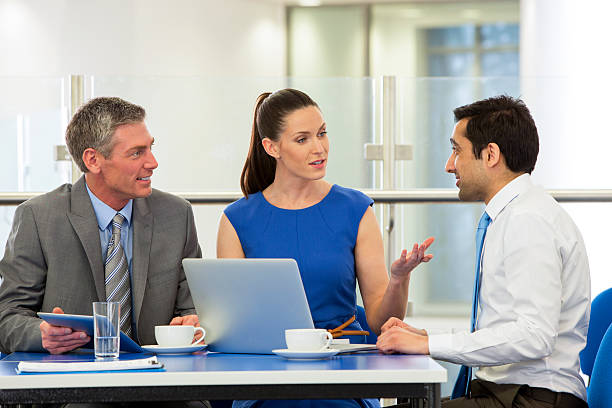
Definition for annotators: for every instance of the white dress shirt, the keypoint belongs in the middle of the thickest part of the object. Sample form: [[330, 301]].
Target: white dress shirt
[[535, 296]]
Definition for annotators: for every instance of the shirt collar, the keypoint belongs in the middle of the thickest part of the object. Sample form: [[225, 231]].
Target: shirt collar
[[508, 193], [105, 214]]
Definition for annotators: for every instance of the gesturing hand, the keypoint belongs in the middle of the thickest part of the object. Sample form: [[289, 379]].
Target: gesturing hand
[[408, 261]]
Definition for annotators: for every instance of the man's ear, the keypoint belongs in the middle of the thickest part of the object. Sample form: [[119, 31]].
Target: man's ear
[[492, 155], [91, 158], [271, 147]]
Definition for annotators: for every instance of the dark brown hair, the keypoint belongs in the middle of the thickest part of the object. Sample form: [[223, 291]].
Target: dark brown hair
[[505, 121], [271, 110]]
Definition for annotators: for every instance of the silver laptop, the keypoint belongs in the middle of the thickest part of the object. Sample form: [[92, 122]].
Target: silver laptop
[[245, 305]]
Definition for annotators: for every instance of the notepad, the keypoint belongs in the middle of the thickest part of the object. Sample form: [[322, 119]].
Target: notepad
[[79, 366]]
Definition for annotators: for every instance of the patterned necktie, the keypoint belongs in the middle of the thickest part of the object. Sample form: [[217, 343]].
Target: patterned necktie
[[465, 373], [117, 277]]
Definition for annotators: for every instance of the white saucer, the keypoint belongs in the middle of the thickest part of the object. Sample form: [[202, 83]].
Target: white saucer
[[306, 355], [157, 349]]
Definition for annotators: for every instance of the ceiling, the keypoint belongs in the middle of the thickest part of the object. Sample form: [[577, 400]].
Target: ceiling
[[345, 2]]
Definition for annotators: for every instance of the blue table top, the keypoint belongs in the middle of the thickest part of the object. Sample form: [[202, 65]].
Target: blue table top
[[219, 368], [210, 361]]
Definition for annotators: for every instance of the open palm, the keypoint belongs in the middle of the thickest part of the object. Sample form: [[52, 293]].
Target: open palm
[[408, 261]]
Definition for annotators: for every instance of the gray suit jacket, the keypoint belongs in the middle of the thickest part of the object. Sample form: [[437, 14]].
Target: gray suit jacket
[[53, 258]]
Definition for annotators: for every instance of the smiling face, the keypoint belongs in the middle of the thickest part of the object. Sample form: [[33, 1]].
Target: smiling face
[[302, 148], [469, 171], [127, 172]]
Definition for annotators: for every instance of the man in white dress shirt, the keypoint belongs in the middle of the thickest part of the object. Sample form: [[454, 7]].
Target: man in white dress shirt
[[534, 300]]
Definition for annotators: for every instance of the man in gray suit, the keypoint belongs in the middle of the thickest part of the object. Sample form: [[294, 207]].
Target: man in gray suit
[[56, 252]]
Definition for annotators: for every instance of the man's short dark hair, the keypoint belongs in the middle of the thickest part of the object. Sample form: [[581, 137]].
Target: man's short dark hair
[[507, 122]]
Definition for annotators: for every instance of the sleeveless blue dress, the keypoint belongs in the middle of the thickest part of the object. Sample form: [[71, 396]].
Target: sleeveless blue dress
[[321, 238]]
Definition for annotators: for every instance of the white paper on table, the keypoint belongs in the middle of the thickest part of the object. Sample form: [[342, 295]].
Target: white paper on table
[[112, 365]]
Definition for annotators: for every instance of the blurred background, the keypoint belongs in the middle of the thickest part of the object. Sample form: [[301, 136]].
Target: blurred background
[[386, 75]]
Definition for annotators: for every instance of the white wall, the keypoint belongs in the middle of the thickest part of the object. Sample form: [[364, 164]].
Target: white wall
[[141, 37], [327, 41], [566, 70]]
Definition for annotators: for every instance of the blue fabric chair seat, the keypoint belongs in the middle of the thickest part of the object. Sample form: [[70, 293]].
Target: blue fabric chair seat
[[600, 387], [601, 317], [363, 322]]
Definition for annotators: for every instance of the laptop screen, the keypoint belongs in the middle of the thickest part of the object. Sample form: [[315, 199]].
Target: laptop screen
[[245, 305]]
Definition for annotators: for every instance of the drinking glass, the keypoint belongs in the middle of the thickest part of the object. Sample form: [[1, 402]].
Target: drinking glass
[[106, 329]]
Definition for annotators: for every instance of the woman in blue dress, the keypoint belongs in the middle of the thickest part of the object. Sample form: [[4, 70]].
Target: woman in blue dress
[[289, 211]]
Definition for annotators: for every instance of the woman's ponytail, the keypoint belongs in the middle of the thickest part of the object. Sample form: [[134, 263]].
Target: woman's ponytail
[[259, 167], [271, 109]]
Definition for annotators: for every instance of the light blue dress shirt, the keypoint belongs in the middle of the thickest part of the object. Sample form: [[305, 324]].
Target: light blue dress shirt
[[104, 215]]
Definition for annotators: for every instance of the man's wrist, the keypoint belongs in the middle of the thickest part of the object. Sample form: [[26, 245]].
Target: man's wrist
[[425, 345]]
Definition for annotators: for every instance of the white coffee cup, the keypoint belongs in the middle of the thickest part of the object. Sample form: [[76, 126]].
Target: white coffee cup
[[177, 336], [307, 339]]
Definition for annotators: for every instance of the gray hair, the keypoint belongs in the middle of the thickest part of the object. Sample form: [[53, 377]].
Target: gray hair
[[95, 123]]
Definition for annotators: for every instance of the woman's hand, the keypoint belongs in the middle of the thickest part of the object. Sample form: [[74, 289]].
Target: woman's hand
[[402, 266], [395, 322]]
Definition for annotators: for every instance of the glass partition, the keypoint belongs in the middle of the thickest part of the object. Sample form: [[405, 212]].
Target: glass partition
[[6, 220], [33, 116], [351, 110], [426, 123], [202, 128]]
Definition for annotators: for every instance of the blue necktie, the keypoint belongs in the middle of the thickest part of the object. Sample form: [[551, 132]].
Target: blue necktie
[[465, 373]]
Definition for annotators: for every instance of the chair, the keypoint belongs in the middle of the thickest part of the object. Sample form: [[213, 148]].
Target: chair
[[221, 403], [361, 318], [600, 320], [600, 385]]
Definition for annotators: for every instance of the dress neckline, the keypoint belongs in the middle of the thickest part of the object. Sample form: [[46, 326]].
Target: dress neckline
[[333, 187]]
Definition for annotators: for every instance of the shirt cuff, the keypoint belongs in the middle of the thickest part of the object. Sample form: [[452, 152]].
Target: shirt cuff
[[440, 346]]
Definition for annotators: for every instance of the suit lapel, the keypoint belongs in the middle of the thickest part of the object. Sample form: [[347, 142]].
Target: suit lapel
[[83, 220], [141, 249]]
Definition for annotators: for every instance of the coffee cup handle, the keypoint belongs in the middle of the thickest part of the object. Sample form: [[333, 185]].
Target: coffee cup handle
[[195, 330], [329, 340]]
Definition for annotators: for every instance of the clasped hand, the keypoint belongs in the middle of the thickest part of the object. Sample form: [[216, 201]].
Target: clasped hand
[[399, 337]]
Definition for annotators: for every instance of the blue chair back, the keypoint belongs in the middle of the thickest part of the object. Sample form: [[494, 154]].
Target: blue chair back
[[600, 386], [601, 317], [361, 318]]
